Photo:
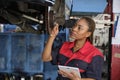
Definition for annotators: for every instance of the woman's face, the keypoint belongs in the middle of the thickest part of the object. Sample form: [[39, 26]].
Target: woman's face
[[80, 30]]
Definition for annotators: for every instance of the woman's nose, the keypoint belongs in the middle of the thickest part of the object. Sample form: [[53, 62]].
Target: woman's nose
[[74, 28]]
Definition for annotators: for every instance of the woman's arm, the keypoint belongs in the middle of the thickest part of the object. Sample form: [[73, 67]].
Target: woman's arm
[[46, 55]]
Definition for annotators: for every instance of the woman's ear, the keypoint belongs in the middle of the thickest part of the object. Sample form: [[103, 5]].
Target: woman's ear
[[88, 34]]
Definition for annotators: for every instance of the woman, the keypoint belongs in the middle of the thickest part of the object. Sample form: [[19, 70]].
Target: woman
[[79, 53]]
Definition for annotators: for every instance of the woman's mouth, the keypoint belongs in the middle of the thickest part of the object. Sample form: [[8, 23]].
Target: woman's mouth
[[72, 33]]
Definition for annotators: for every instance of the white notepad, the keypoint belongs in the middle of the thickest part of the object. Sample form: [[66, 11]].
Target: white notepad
[[69, 69]]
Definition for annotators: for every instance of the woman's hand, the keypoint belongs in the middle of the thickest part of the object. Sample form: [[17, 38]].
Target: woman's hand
[[70, 75], [55, 30]]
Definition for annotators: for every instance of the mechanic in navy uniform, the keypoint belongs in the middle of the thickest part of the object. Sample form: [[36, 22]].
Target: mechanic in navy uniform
[[80, 53]]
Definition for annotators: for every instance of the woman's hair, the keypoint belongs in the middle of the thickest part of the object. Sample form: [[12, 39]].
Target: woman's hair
[[91, 25]]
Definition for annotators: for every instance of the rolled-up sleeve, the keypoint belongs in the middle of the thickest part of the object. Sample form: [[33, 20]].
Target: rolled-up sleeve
[[55, 52]]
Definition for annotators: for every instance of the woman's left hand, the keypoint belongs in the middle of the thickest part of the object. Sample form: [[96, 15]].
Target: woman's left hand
[[70, 75]]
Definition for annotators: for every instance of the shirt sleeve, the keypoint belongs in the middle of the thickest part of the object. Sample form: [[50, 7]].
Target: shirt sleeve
[[55, 53], [94, 69]]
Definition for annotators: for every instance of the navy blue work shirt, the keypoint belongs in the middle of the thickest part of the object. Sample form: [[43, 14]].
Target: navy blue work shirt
[[88, 59]]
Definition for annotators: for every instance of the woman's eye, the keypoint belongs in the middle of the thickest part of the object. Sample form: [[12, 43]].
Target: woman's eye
[[79, 27]]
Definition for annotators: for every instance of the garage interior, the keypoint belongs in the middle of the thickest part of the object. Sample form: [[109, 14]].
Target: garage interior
[[25, 27]]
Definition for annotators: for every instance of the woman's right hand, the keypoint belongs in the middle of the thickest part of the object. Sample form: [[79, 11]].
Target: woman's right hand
[[54, 32], [46, 55]]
